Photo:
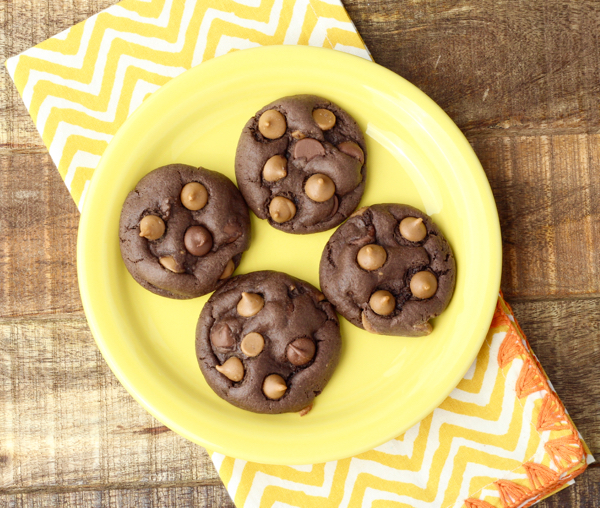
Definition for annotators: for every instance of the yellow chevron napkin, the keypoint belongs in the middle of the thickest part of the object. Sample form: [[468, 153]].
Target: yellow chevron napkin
[[81, 85], [502, 439]]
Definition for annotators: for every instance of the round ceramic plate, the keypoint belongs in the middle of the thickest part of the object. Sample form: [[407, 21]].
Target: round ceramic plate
[[383, 385]]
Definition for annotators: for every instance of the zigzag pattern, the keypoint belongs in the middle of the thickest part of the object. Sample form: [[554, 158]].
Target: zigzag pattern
[[501, 440], [81, 85]]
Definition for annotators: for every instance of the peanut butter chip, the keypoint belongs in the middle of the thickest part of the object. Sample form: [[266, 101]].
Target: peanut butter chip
[[271, 124], [282, 209], [319, 188], [353, 150], [423, 284], [371, 257], [360, 211], [301, 351], [424, 328], [232, 369], [365, 322], [275, 168], [194, 196], [152, 227], [325, 119], [298, 135], [170, 264], [382, 302], [274, 386], [306, 410], [250, 304], [229, 268], [413, 229], [252, 344]]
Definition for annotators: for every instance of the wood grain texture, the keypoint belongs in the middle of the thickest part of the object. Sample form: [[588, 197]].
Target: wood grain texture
[[38, 237], [164, 497], [547, 251], [546, 190], [521, 78], [495, 66], [68, 422], [56, 389]]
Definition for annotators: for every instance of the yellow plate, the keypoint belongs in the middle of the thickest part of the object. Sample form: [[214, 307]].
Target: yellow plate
[[383, 385]]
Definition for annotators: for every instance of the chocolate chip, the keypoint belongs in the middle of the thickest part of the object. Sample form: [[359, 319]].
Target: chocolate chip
[[170, 264], [233, 230], [360, 211], [298, 135], [366, 324], [197, 240], [275, 168], [353, 150], [229, 268], [222, 337], [306, 410], [308, 148], [301, 351], [252, 344]]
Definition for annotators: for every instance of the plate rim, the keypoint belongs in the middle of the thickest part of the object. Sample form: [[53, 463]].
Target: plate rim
[[286, 51]]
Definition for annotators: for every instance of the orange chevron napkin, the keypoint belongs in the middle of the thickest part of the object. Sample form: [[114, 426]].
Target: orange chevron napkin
[[502, 439]]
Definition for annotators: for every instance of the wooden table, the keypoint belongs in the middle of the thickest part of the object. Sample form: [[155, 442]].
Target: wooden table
[[521, 78]]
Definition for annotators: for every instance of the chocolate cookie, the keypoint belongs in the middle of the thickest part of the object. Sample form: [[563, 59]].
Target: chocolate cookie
[[183, 230], [389, 270], [300, 164], [268, 342]]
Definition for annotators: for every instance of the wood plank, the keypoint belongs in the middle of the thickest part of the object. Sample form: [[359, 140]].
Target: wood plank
[[546, 190], [494, 66], [38, 225], [501, 69], [509, 66], [565, 336], [56, 389], [67, 421], [180, 497]]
